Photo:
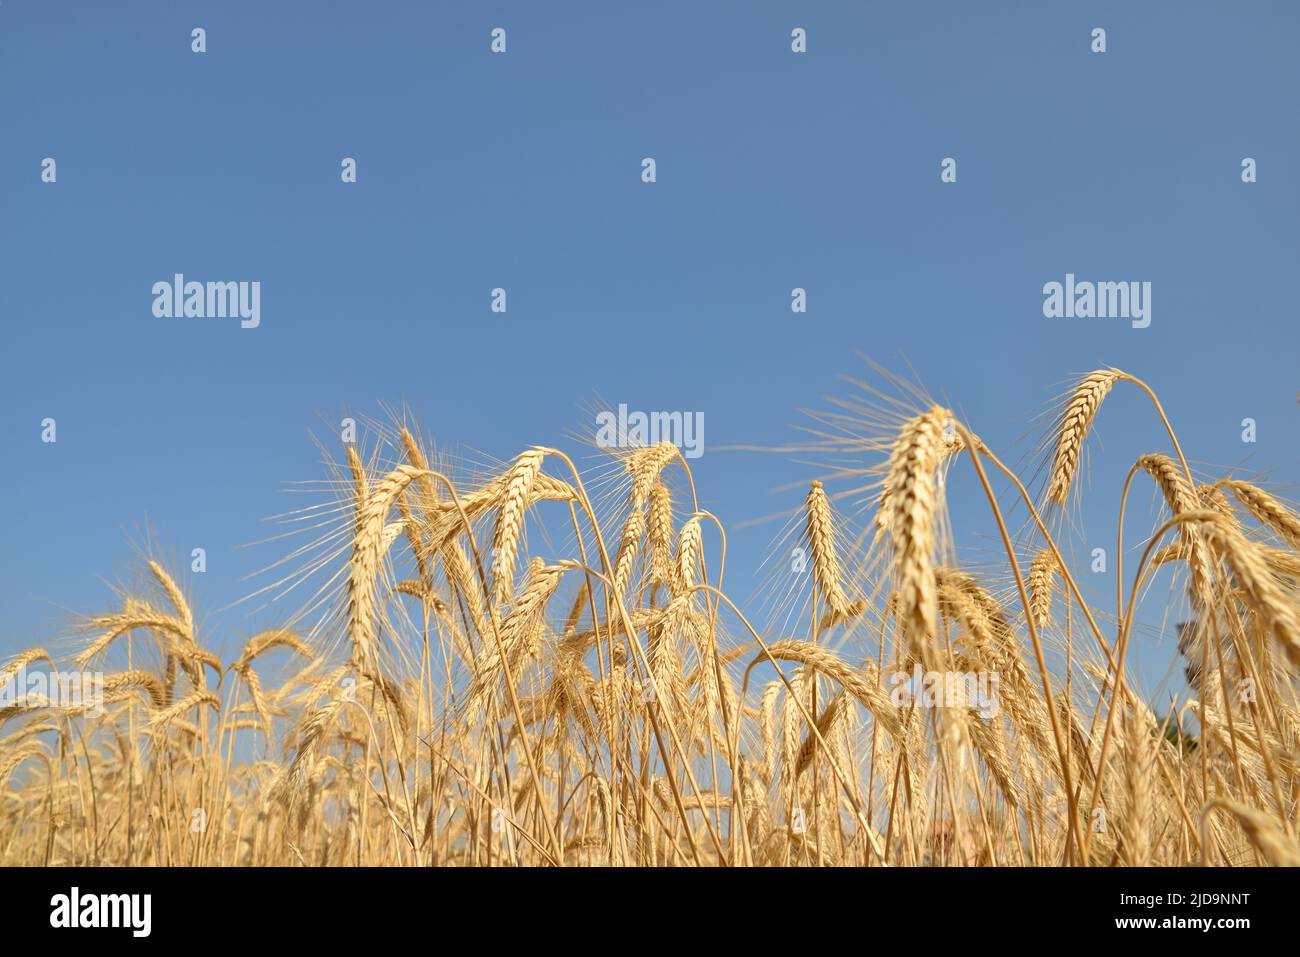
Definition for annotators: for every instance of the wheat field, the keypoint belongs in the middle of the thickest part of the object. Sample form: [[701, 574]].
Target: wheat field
[[543, 666]]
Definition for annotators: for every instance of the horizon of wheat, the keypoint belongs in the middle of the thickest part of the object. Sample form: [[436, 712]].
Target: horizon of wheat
[[616, 707]]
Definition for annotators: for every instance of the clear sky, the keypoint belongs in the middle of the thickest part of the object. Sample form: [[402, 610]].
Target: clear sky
[[522, 170]]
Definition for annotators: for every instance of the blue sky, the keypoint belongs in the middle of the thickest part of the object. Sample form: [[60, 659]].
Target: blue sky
[[522, 171]]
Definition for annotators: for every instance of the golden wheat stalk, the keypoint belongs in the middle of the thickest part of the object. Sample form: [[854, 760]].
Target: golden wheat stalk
[[820, 531], [1277, 848], [1267, 509], [1072, 429], [194, 699], [367, 553], [515, 498], [1042, 571], [913, 506], [863, 684], [21, 661], [1275, 609]]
